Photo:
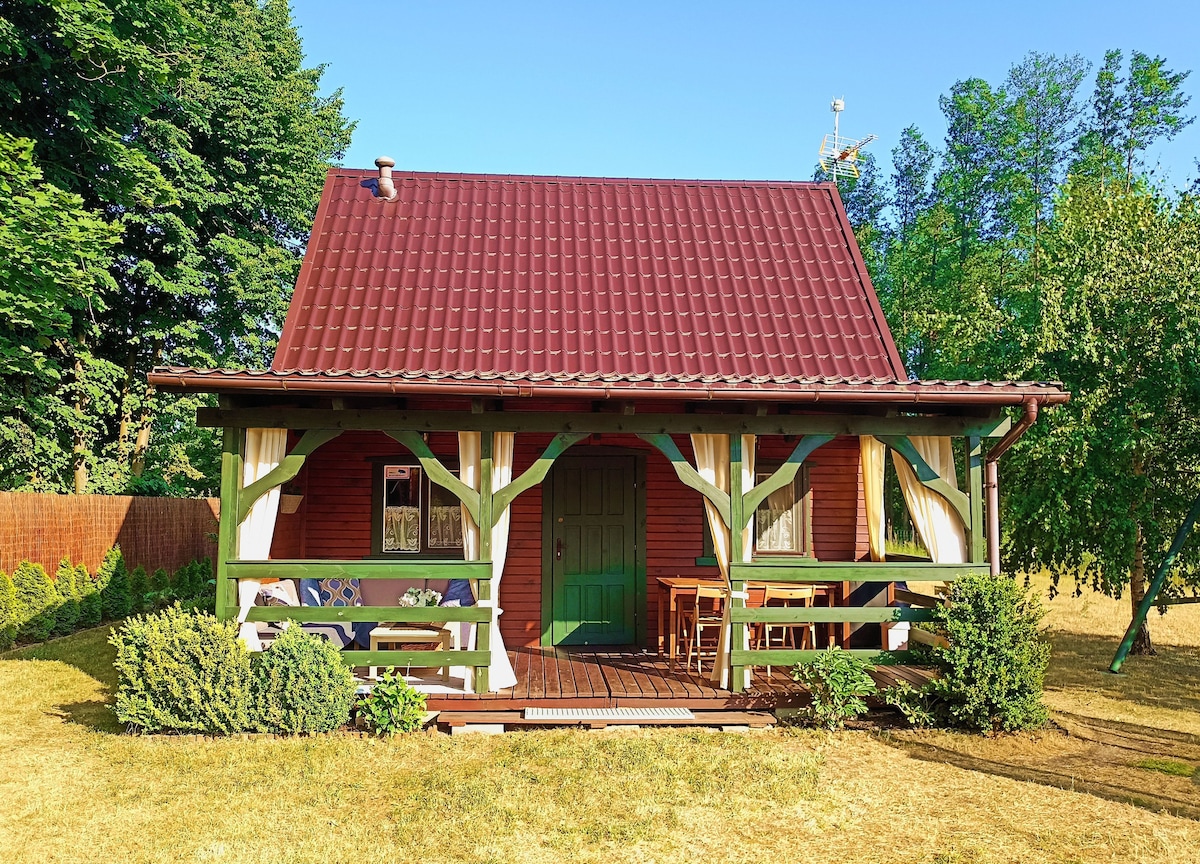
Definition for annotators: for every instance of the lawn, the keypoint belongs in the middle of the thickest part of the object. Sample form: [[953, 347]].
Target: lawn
[[74, 789]]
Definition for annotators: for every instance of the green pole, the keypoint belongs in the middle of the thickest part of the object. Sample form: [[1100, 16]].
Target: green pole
[[1156, 585]]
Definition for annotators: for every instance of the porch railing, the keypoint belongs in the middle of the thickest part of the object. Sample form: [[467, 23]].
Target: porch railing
[[478, 572], [830, 572]]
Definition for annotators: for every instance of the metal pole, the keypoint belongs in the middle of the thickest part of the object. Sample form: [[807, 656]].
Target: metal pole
[[1156, 585]]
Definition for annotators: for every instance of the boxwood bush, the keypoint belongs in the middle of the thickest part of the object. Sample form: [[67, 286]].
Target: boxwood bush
[[994, 670], [301, 685], [182, 671]]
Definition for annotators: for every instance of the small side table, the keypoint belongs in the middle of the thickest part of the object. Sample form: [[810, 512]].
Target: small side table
[[405, 633]]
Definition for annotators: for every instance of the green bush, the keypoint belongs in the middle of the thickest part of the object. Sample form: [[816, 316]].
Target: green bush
[[392, 706], [66, 618], [160, 581], [91, 609], [181, 671], [139, 589], [837, 682], [921, 707], [113, 581], [301, 685], [36, 602], [8, 612], [993, 672]]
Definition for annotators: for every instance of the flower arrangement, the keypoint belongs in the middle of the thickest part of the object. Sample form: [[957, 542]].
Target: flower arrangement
[[420, 597]]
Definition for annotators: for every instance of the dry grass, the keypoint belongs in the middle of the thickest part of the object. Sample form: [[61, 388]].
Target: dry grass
[[75, 791]]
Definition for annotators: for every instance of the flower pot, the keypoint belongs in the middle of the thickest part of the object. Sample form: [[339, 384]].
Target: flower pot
[[289, 504]]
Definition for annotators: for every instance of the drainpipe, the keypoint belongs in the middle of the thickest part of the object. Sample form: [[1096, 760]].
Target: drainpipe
[[387, 188], [991, 481]]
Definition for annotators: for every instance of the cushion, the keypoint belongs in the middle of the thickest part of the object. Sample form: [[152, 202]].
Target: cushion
[[310, 592], [460, 590], [277, 594], [340, 592]]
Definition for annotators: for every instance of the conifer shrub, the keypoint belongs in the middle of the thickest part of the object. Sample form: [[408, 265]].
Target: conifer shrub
[[139, 590], [994, 670], [8, 612], [91, 609], [36, 602], [113, 581], [66, 618], [301, 685], [182, 671], [160, 581]]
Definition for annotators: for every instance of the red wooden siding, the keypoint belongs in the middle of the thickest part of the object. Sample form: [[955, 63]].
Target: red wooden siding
[[334, 520]]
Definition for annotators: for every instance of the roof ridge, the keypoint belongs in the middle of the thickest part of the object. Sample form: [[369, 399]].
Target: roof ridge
[[399, 174]]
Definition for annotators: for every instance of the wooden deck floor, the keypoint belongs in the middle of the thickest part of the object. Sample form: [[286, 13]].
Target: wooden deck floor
[[592, 678]]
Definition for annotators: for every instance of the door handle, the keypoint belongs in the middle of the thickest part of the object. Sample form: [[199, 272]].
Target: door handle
[[558, 549]]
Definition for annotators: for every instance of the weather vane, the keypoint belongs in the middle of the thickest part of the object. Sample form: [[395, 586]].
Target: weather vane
[[839, 156]]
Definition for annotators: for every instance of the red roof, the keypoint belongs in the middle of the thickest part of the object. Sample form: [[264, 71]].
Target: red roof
[[584, 281]]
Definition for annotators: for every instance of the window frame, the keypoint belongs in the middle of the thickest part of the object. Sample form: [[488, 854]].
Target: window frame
[[708, 555], [379, 465]]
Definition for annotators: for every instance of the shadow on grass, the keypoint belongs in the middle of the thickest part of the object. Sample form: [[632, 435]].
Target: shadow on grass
[[89, 652], [1170, 679]]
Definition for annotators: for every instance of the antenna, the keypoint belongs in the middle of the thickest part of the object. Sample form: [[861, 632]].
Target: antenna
[[839, 156]]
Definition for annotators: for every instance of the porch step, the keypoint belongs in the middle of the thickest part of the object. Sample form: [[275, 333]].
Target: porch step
[[612, 715], [514, 719]]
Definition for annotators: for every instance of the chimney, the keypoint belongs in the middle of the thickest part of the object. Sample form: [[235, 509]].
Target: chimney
[[387, 189]]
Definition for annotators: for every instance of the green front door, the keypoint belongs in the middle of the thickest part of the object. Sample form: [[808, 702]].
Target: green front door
[[593, 551]]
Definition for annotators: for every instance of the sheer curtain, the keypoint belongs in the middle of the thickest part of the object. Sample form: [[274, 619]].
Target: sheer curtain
[[873, 454], [500, 671], [942, 532], [265, 449], [712, 463]]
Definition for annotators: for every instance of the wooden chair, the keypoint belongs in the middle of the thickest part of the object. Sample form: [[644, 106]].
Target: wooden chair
[[706, 611], [789, 598]]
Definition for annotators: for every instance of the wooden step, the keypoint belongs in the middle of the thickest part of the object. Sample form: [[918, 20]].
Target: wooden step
[[732, 719]]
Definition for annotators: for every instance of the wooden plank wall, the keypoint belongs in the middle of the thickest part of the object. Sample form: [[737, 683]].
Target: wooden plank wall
[[334, 518]]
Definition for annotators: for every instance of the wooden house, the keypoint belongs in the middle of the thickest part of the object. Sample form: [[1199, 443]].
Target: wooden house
[[583, 395]]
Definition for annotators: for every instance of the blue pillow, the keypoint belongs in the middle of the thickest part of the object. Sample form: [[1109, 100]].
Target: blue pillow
[[310, 592], [460, 590]]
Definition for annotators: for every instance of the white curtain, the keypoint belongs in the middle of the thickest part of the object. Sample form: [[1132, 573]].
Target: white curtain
[[941, 530], [712, 463], [265, 449], [500, 671], [873, 454]]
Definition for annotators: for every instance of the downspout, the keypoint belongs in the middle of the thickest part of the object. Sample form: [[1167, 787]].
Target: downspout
[[991, 481]]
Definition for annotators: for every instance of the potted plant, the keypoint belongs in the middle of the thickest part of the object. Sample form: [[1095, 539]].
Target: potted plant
[[290, 497]]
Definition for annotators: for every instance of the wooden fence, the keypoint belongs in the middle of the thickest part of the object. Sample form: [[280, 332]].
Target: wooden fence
[[152, 532]]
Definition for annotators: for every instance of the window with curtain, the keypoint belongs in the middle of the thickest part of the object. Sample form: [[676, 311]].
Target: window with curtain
[[782, 523], [413, 516]]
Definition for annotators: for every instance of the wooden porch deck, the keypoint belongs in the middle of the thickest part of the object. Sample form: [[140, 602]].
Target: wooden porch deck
[[632, 678]]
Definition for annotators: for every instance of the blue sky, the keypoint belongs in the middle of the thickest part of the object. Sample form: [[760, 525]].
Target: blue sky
[[696, 89]]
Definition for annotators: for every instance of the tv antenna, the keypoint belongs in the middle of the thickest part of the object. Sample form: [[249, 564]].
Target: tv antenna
[[839, 156]]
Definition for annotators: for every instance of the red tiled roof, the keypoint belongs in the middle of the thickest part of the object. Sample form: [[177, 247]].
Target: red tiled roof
[[584, 282]]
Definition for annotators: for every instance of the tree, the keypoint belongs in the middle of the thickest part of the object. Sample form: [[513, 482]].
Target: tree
[[912, 160]]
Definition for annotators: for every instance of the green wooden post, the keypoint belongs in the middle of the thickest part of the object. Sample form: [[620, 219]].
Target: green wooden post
[[233, 445], [737, 521], [483, 633], [976, 528]]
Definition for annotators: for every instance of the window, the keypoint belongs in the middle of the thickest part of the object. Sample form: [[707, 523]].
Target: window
[[782, 523], [413, 516]]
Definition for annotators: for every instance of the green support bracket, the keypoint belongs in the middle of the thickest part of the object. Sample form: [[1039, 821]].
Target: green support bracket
[[689, 475], [1156, 584], [232, 446], [784, 475], [288, 468], [535, 473], [437, 472], [929, 478], [976, 529]]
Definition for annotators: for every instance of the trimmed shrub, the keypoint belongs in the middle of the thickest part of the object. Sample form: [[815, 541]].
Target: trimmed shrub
[[160, 581], [66, 618], [36, 602], [91, 610], [113, 581], [139, 588], [993, 672], [392, 706], [8, 612], [182, 671], [837, 681], [301, 685]]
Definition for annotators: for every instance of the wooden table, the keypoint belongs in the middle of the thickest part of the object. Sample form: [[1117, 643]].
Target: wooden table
[[670, 587], [406, 633]]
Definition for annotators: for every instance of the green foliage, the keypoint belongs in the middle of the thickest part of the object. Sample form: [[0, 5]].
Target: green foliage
[[992, 674], [66, 617], [8, 612], [301, 685], [181, 671], [139, 590], [36, 602], [1171, 767], [837, 682], [91, 608], [920, 707], [160, 580], [113, 581], [392, 706]]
